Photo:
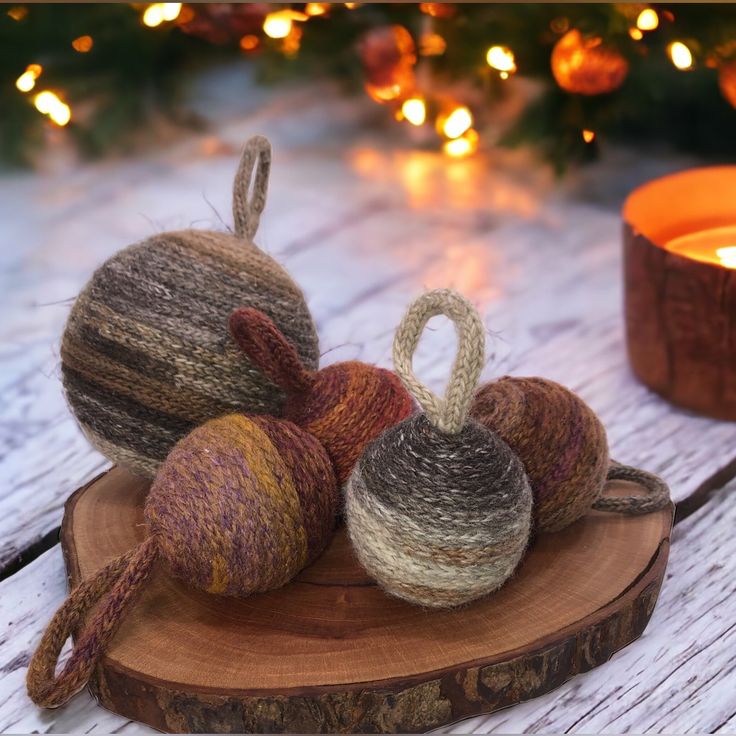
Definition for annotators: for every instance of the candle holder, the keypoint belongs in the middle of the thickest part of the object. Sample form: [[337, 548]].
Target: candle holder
[[680, 288]]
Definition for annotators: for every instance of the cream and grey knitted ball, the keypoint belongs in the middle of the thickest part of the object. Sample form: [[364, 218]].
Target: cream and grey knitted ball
[[439, 507]]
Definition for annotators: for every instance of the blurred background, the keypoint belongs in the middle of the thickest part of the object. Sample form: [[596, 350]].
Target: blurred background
[[567, 80]]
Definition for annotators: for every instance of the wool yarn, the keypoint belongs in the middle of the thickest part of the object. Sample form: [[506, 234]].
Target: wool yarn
[[563, 446], [146, 355], [240, 505], [345, 405], [439, 507]]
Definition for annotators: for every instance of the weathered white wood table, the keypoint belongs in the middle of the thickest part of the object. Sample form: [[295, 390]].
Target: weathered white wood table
[[364, 228]]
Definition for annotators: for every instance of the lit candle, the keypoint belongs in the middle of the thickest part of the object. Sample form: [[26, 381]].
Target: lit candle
[[715, 245]]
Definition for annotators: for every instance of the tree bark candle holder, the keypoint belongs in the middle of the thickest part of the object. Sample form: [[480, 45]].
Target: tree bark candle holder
[[680, 288]]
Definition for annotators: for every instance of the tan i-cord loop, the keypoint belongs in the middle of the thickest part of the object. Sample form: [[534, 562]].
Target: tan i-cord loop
[[658, 492], [448, 413], [249, 190]]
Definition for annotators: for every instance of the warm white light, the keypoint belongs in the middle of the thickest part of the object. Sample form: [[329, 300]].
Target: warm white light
[[588, 135], [457, 122], [463, 146], [279, 24], [680, 55], [727, 256], [501, 58], [648, 20], [636, 34], [26, 82], [153, 15], [316, 8], [171, 11], [414, 110], [48, 103]]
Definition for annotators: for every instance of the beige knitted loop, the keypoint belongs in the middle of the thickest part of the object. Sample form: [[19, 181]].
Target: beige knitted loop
[[658, 492], [447, 414], [249, 201]]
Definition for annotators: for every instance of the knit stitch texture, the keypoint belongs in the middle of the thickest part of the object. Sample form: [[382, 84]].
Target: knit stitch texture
[[439, 507], [146, 354], [240, 506], [345, 405]]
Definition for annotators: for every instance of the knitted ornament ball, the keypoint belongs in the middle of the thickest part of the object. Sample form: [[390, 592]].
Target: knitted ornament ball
[[562, 444], [345, 405], [146, 355], [240, 506], [439, 507]]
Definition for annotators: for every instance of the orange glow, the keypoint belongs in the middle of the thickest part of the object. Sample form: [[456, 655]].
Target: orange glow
[[588, 135], [18, 12], [352, 6], [292, 42], [636, 34], [83, 44], [249, 42], [437, 10], [714, 245], [432, 44], [463, 146], [414, 110], [457, 122], [648, 20], [316, 8]]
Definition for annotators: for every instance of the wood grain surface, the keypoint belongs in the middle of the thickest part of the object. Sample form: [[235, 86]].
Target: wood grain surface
[[330, 652], [364, 224]]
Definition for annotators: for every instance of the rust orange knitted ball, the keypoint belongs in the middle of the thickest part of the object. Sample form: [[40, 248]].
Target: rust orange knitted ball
[[558, 437], [345, 405], [239, 506]]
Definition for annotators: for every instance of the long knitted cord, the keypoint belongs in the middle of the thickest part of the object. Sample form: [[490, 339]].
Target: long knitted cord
[[658, 492], [448, 413], [123, 578], [263, 342], [247, 209]]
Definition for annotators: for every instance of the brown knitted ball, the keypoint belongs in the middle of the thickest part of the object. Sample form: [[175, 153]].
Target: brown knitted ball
[[146, 354], [345, 405], [558, 437]]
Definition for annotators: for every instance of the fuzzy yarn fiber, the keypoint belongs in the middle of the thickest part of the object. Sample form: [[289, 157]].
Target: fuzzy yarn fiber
[[146, 354], [240, 506], [558, 438], [439, 507], [345, 405], [439, 519]]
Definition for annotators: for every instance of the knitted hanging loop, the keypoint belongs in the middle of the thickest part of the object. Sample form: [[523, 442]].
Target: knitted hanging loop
[[657, 498], [448, 413], [263, 342], [249, 190], [123, 578], [344, 405]]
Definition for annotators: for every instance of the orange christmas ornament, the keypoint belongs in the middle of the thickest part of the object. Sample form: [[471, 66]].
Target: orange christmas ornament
[[586, 66], [727, 82]]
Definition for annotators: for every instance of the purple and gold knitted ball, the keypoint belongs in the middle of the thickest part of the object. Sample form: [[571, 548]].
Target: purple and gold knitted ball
[[242, 504], [558, 438]]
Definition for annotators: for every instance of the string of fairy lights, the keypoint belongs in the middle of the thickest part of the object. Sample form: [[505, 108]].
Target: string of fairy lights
[[580, 64]]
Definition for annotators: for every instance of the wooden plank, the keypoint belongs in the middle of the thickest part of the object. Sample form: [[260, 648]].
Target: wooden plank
[[679, 677]]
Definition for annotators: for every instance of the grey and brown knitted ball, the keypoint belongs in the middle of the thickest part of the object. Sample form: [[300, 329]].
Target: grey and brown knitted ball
[[147, 354], [439, 507], [557, 436]]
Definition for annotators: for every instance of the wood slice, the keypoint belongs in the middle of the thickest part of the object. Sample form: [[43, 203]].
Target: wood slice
[[330, 652]]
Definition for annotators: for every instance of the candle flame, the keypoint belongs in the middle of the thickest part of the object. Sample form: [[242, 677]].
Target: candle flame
[[727, 256]]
